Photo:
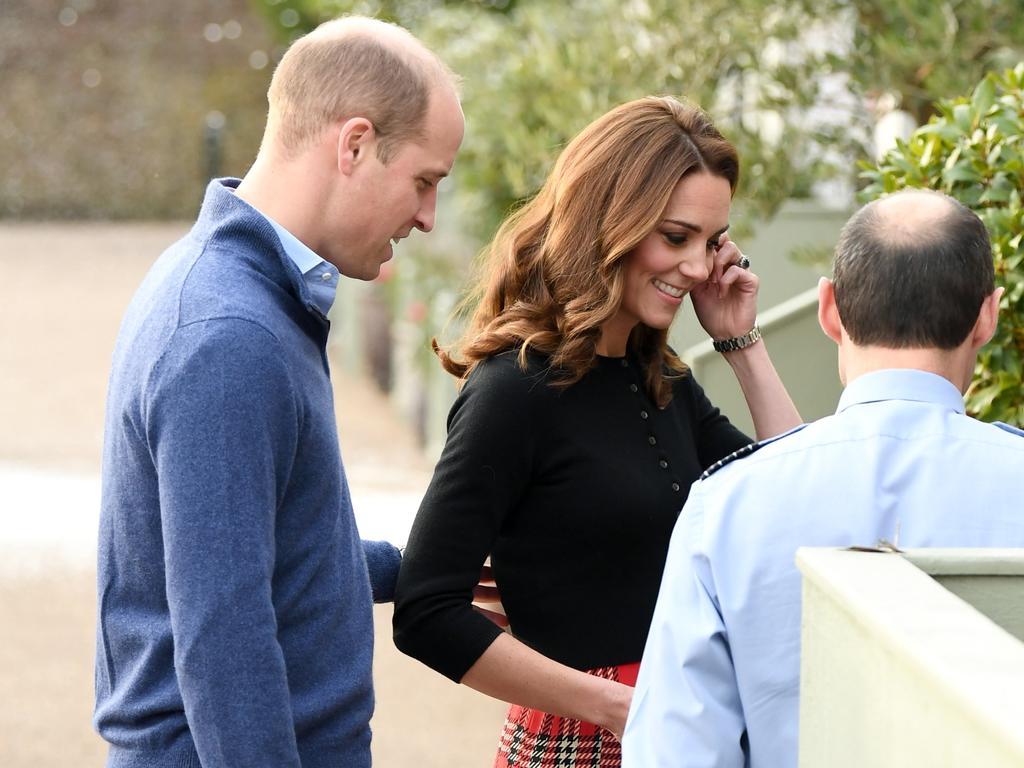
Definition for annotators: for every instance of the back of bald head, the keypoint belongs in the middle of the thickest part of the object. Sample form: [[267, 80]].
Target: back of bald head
[[353, 67], [911, 270]]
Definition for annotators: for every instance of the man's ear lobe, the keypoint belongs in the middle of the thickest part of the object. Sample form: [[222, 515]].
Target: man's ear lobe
[[356, 139], [988, 319], [828, 312]]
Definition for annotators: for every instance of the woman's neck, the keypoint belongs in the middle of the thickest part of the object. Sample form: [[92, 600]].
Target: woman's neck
[[614, 338]]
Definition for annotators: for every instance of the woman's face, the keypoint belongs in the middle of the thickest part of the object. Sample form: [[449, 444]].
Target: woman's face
[[672, 259]]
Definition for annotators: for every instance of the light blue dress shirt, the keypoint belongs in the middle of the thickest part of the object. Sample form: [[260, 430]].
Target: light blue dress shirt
[[719, 682], [321, 277]]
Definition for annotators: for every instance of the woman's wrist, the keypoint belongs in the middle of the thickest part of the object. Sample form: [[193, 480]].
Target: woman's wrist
[[751, 362], [612, 707], [736, 343]]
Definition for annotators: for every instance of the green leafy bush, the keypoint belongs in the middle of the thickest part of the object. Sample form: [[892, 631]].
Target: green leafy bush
[[973, 150]]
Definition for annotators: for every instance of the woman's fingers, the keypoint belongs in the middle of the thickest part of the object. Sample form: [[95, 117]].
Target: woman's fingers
[[727, 254], [743, 279]]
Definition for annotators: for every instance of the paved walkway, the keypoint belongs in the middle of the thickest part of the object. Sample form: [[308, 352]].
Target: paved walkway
[[62, 291]]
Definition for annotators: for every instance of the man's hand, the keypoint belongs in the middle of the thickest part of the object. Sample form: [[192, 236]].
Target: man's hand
[[486, 593]]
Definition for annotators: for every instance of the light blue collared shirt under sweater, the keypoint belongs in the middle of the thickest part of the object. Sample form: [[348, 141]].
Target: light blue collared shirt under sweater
[[321, 277]]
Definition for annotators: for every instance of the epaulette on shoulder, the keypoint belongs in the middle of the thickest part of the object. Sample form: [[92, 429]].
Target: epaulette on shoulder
[[747, 450], [1009, 428]]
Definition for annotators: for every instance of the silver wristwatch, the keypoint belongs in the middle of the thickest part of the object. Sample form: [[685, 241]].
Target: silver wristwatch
[[738, 342]]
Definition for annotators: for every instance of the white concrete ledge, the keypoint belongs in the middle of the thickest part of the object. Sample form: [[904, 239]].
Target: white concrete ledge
[[896, 670], [968, 561]]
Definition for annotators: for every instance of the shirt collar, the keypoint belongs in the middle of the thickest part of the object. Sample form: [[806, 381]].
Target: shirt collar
[[305, 259], [321, 277], [902, 384]]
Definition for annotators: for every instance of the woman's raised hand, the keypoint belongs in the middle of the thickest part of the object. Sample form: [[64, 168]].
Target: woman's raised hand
[[726, 304]]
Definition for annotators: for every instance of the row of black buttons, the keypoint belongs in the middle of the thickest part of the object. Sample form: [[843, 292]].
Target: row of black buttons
[[651, 439]]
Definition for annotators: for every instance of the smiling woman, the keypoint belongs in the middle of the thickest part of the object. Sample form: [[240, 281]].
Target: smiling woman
[[578, 431], [677, 256]]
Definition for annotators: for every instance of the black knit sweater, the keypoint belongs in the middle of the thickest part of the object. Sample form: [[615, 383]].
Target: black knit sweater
[[573, 493]]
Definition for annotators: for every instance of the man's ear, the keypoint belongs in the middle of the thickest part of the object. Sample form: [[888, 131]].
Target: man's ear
[[828, 312], [355, 140], [988, 320]]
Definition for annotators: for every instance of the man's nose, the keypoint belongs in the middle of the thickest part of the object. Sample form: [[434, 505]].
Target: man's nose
[[427, 213]]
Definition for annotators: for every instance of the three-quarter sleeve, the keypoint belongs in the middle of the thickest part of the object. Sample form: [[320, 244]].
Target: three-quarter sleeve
[[716, 437], [486, 464]]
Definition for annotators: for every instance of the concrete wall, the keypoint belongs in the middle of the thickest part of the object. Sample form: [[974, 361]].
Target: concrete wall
[[897, 670], [992, 581]]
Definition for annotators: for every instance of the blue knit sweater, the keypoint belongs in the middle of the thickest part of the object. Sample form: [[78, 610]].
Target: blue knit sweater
[[235, 624]]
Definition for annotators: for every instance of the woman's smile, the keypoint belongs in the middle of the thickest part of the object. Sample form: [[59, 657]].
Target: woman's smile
[[670, 290]]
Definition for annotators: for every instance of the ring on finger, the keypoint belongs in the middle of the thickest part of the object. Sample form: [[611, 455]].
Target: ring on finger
[[743, 263]]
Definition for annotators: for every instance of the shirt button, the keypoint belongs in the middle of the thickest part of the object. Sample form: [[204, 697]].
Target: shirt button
[[652, 440], [663, 464], [625, 363], [643, 414], [675, 486], [325, 276], [633, 388]]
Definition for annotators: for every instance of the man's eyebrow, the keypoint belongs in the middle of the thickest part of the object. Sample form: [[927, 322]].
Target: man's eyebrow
[[694, 227]]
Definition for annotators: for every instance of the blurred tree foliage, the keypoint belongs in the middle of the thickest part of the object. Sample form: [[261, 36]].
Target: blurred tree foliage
[[292, 17], [536, 72], [973, 149], [102, 103], [920, 51]]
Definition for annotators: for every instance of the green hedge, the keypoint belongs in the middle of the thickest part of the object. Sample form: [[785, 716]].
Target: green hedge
[[973, 150]]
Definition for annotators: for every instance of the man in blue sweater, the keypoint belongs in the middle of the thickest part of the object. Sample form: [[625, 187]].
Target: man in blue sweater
[[235, 624]]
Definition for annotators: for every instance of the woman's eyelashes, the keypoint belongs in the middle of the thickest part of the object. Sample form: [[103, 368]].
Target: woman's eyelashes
[[679, 238]]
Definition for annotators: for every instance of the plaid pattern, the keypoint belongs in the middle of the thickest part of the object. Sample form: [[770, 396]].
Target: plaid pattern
[[534, 739]]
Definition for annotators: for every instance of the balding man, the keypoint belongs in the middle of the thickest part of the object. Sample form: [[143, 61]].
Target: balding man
[[910, 304], [235, 624]]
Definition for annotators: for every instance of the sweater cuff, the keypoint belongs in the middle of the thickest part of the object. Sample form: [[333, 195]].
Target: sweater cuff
[[382, 561]]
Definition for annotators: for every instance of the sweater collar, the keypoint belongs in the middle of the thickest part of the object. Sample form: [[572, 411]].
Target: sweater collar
[[224, 213]]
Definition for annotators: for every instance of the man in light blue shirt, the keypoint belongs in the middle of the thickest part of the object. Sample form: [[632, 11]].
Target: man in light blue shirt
[[910, 304]]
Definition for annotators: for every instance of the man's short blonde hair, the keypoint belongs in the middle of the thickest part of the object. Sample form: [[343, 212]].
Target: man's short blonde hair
[[354, 67]]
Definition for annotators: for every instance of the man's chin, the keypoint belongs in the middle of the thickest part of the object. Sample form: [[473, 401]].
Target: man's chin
[[375, 271], [386, 256], [369, 270]]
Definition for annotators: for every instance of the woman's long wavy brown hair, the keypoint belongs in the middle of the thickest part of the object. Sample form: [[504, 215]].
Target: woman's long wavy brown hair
[[553, 273]]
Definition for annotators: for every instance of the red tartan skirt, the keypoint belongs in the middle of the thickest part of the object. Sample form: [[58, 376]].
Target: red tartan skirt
[[535, 739]]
